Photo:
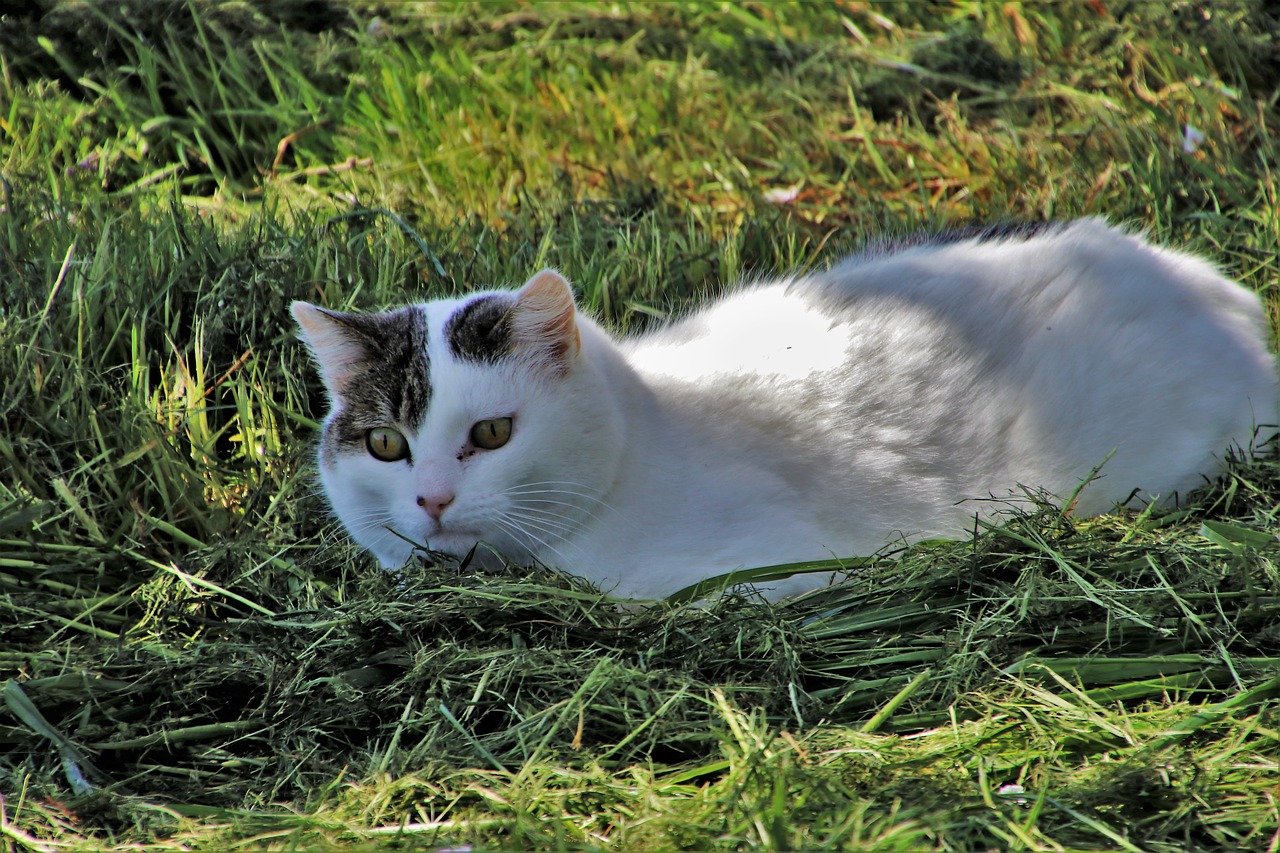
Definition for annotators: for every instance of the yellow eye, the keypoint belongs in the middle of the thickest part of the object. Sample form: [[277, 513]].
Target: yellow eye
[[386, 444], [490, 435]]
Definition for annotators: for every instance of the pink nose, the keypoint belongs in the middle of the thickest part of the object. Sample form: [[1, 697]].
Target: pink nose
[[435, 505]]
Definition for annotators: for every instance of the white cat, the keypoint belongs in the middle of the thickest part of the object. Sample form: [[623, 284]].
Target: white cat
[[818, 416]]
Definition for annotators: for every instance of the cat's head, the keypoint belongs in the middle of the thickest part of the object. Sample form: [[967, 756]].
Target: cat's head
[[481, 419]]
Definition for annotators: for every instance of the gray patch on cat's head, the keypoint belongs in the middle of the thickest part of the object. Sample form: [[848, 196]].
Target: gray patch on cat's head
[[481, 329], [390, 385]]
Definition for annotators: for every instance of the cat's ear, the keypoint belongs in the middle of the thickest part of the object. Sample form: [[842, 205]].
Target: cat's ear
[[544, 320], [334, 341]]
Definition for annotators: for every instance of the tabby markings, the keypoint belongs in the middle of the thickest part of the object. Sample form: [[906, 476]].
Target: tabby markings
[[481, 330], [392, 383]]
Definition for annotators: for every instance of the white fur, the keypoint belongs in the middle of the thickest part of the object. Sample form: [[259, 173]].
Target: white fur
[[832, 414]]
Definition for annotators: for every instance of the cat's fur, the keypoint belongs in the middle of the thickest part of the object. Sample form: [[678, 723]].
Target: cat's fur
[[824, 415]]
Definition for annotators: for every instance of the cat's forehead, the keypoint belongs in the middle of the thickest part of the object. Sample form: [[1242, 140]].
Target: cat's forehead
[[411, 355]]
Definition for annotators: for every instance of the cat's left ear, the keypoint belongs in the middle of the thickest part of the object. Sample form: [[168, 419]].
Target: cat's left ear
[[544, 320], [333, 342]]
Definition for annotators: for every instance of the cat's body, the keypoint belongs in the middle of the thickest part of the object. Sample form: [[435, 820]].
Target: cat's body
[[822, 416]]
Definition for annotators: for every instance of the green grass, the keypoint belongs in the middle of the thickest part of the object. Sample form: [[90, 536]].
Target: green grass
[[192, 656]]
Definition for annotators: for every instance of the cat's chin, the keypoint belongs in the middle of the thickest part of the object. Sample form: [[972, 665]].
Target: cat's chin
[[478, 555], [453, 544], [460, 544]]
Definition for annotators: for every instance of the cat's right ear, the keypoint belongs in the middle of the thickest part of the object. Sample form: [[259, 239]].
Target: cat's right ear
[[544, 320], [333, 343]]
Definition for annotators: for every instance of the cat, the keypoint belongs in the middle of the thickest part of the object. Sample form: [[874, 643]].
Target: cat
[[823, 415]]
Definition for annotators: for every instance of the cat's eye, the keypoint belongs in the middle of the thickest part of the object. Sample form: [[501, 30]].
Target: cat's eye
[[491, 434], [386, 444]]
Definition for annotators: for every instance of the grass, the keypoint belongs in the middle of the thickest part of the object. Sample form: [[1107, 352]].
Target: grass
[[192, 656]]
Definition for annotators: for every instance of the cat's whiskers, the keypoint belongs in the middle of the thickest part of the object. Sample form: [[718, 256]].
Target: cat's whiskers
[[369, 520], [574, 483], [368, 513], [519, 531], [530, 505], [549, 522], [531, 521], [526, 494], [548, 517], [567, 511], [332, 535], [558, 487]]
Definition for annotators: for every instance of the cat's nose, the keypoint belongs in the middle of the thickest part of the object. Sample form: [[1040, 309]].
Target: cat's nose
[[435, 505]]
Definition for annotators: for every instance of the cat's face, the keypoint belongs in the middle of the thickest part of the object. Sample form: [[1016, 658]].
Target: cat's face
[[463, 421]]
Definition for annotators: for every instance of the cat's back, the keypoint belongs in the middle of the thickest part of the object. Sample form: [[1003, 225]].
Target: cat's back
[[1020, 278], [982, 358], [997, 294]]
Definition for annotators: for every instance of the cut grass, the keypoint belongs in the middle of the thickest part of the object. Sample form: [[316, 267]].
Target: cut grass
[[193, 657], [490, 710]]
